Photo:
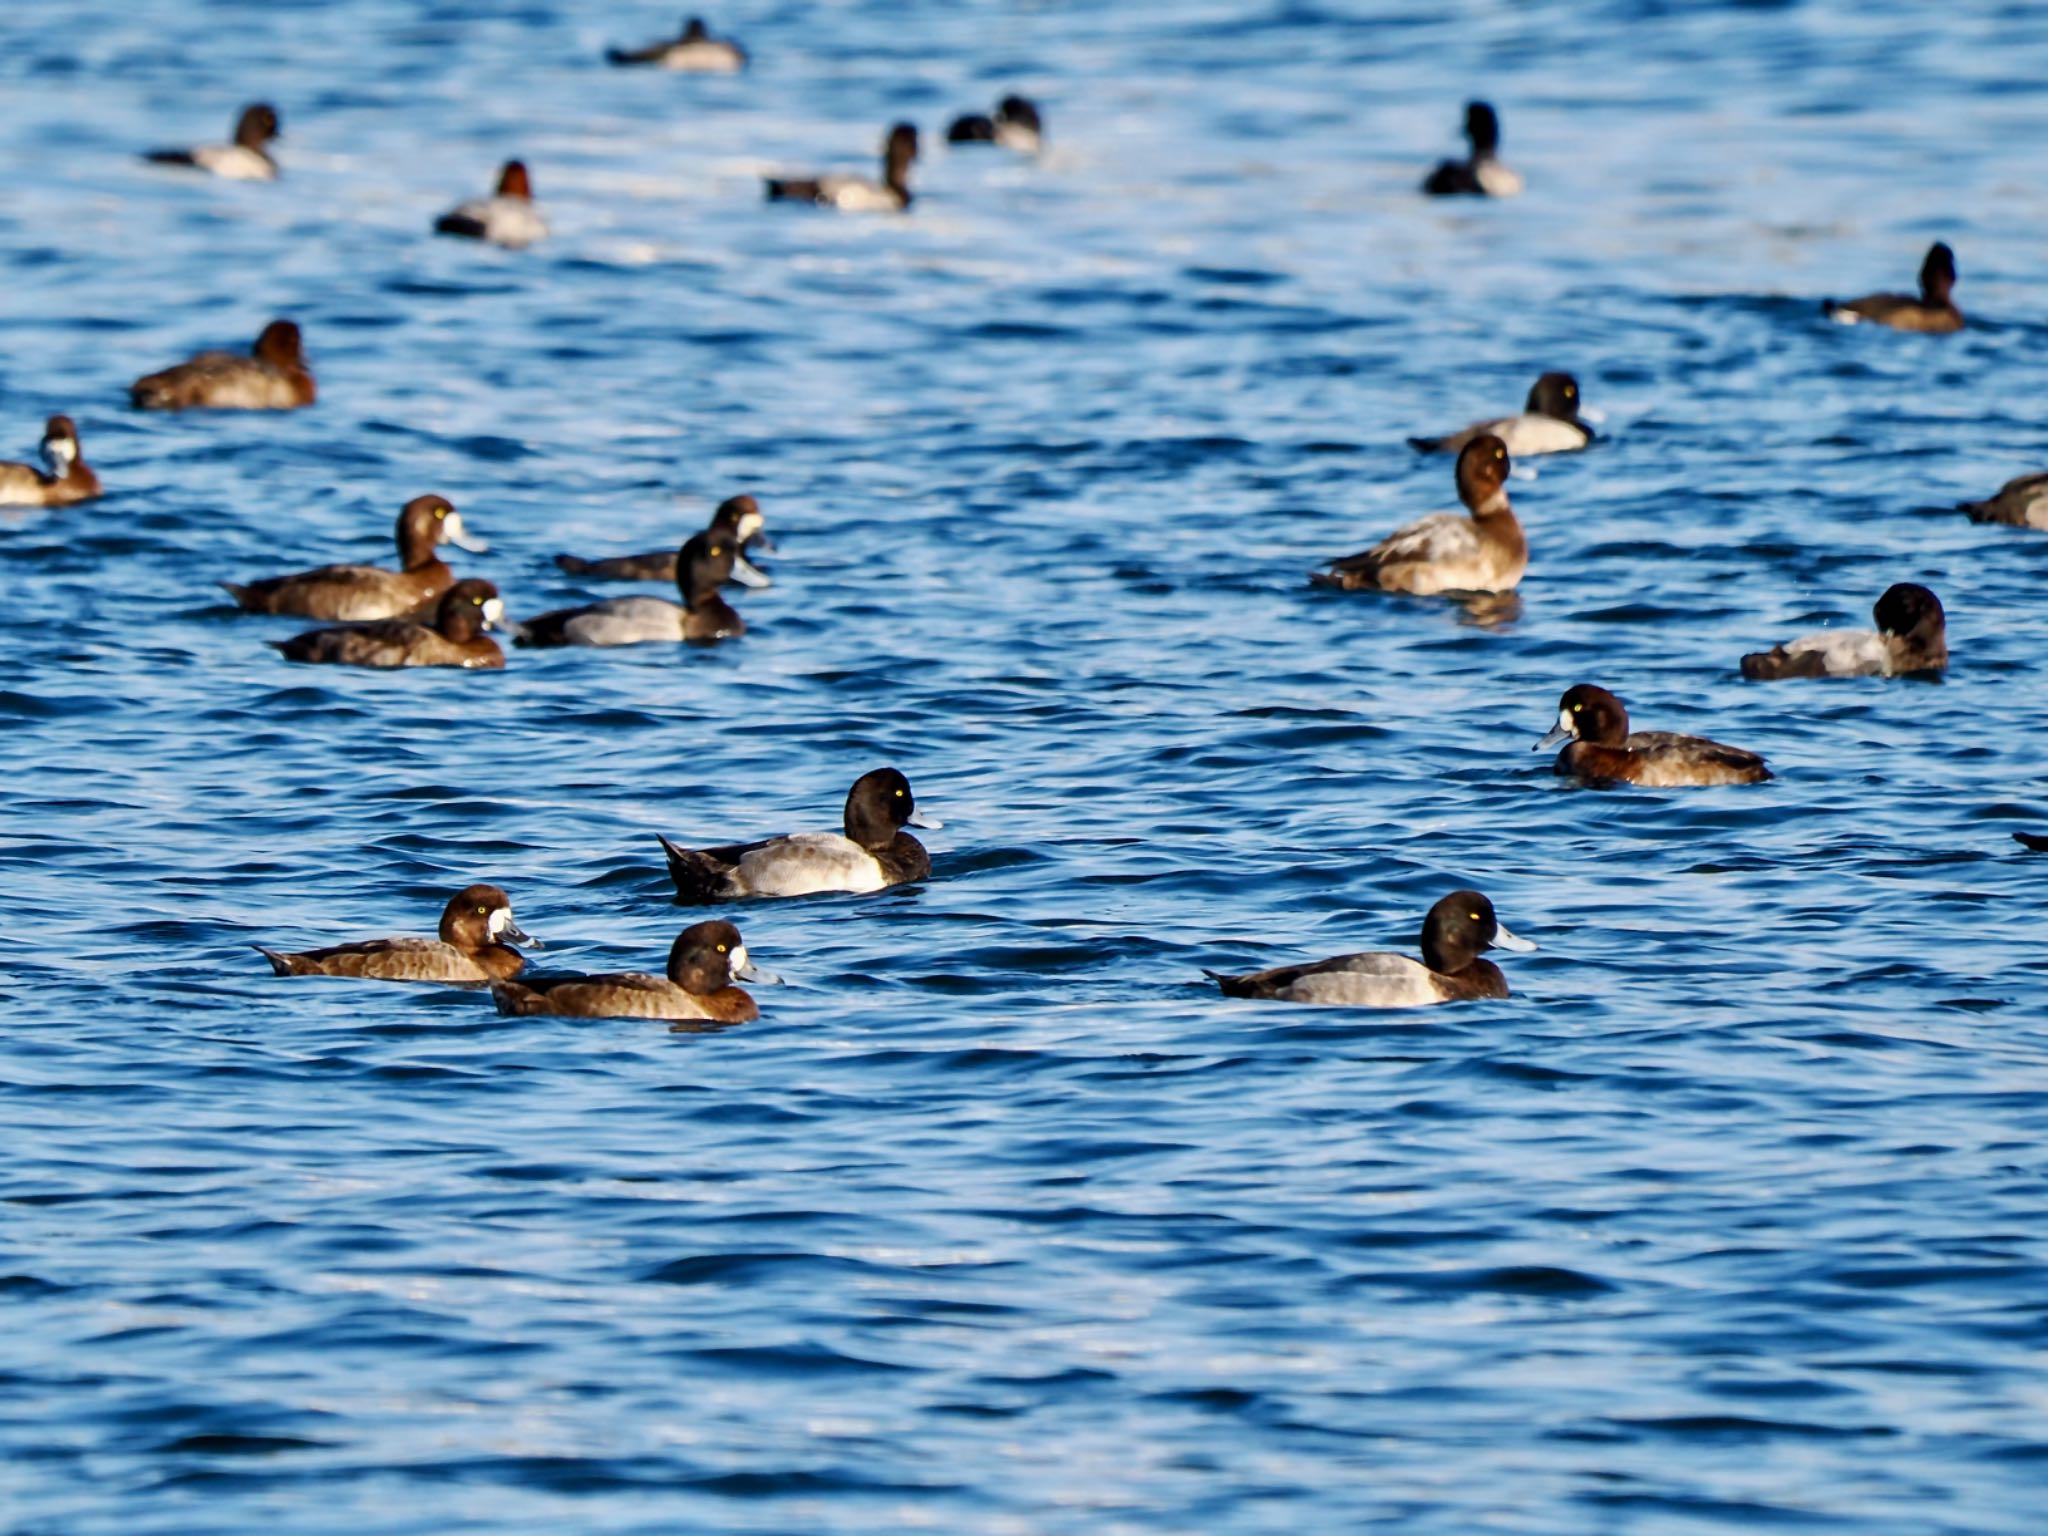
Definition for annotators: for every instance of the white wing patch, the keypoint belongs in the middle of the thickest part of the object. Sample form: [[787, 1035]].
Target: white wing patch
[[806, 863]]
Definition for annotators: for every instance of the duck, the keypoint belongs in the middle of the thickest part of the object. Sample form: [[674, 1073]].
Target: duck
[[695, 52], [1549, 423], [1603, 750], [475, 947], [703, 565], [1015, 124], [456, 638], [703, 964], [856, 194], [506, 218], [274, 377], [1933, 311], [66, 478], [1911, 636], [738, 518], [2022, 502], [1445, 552], [1479, 174], [246, 159], [361, 592], [872, 854], [1455, 935]]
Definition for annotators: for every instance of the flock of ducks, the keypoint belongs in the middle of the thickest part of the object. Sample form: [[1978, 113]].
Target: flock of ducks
[[420, 614]]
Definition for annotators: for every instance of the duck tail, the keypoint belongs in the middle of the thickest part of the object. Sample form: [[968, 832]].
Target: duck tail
[[2031, 840], [281, 964], [699, 878], [575, 565], [1233, 986], [171, 157]]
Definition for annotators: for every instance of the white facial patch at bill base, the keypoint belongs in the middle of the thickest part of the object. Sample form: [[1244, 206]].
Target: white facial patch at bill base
[[738, 962], [494, 611], [500, 920], [1566, 723], [60, 453]]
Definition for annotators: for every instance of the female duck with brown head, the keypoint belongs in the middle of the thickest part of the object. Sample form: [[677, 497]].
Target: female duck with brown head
[[1457, 931], [475, 946], [703, 964], [857, 194], [64, 480], [1604, 751], [506, 218], [246, 159], [873, 853], [738, 518], [1911, 636], [703, 565], [360, 592], [273, 377], [1445, 552], [1934, 310], [456, 638]]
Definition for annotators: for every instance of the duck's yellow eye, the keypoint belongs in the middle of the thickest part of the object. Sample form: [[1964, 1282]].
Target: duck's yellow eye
[[480, 911], [899, 794], [1577, 707], [440, 512], [477, 600], [721, 949], [1475, 917]]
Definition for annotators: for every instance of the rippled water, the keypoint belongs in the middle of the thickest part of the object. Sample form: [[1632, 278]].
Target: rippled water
[[1000, 1219]]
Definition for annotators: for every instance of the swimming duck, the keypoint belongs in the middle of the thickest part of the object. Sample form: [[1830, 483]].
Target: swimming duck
[[506, 218], [475, 946], [703, 963], [738, 518], [703, 565], [360, 592], [873, 853], [274, 377], [1479, 174], [1912, 636], [1933, 310], [457, 638], [856, 194], [696, 52], [1549, 423], [2022, 502], [67, 478], [1015, 125], [246, 159], [1604, 750], [1445, 552], [1454, 934]]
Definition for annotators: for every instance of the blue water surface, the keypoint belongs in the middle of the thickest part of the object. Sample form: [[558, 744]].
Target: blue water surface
[[1000, 1219]]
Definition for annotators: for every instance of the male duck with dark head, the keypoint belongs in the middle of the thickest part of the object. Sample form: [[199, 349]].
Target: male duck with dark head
[[1549, 423], [455, 639], [1479, 174], [1015, 124], [873, 853], [475, 947], [1603, 750], [738, 519], [507, 217], [1455, 935], [1445, 552], [703, 963], [857, 194], [694, 52], [1934, 310], [64, 479], [703, 565], [360, 592], [272, 377], [2020, 503], [246, 159], [1911, 636]]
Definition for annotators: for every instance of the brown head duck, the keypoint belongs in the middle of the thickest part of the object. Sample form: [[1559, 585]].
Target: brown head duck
[[703, 964], [1603, 750], [360, 592], [475, 946], [1445, 552], [272, 377], [64, 479], [506, 218], [738, 518], [455, 639]]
